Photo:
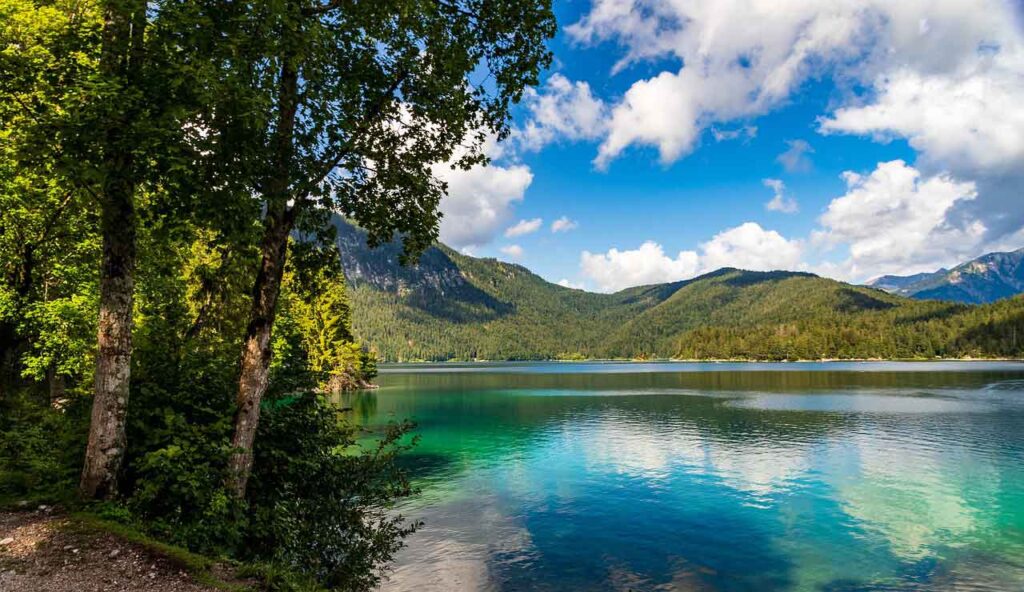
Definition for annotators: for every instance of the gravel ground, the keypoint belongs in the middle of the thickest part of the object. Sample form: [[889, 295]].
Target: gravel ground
[[39, 553]]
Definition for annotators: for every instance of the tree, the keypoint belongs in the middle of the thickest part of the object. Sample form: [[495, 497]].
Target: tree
[[314, 320], [96, 94], [47, 246], [346, 105]]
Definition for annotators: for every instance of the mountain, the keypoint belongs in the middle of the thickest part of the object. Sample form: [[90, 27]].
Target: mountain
[[454, 307], [985, 279], [895, 283]]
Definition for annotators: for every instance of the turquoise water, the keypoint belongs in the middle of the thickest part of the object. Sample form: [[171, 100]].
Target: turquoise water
[[759, 477]]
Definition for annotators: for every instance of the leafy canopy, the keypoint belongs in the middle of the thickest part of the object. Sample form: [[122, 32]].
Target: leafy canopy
[[383, 91]]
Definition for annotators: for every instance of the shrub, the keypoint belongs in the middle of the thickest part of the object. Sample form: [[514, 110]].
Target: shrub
[[321, 502]]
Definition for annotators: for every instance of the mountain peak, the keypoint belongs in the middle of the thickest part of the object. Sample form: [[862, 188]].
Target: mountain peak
[[988, 278]]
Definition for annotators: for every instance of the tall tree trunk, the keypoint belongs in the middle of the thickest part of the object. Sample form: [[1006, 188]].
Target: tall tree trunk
[[123, 32], [277, 226], [256, 350], [107, 440]]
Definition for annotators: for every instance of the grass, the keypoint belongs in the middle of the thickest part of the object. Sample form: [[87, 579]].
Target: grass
[[201, 568]]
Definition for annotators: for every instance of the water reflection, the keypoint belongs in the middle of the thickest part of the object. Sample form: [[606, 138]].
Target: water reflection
[[750, 480]]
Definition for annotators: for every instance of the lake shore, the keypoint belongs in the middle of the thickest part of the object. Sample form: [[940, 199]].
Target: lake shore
[[702, 360]]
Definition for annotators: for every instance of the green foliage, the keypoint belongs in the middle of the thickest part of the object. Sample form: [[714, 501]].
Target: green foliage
[[64, 330], [320, 500], [191, 298], [48, 239], [40, 448], [454, 307], [173, 129], [187, 340], [389, 89], [313, 343]]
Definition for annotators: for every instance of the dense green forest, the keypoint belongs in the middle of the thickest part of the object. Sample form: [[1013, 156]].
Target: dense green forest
[[173, 315], [455, 307]]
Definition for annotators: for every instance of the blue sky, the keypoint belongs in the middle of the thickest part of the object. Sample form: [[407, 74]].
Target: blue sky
[[894, 133]]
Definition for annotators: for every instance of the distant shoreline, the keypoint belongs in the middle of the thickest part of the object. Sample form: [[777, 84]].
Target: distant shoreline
[[702, 361]]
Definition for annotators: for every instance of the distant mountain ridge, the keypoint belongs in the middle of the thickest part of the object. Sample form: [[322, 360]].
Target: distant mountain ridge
[[986, 279], [454, 307]]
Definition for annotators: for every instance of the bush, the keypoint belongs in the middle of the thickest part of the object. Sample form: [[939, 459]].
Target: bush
[[40, 449], [320, 498], [321, 503]]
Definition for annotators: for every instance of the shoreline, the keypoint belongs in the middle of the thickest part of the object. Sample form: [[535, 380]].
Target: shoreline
[[698, 361]]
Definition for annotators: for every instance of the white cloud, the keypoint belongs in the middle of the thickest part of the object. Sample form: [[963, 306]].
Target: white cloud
[[747, 246], [664, 112], [744, 57], [946, 75], [524, 227], [780, 202], [746, 132], [562, 109], [647, 264], [564, 224], [895, 220], [565, 283], [795, 159], [513, 251], [973, 120], [479, 201]]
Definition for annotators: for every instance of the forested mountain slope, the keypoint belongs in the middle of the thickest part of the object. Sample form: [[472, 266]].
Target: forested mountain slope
[[451, 306]]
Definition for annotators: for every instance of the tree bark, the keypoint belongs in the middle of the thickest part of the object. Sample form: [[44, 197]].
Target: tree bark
[[123, 31], [256, 350], [107, 439], [277, 226]]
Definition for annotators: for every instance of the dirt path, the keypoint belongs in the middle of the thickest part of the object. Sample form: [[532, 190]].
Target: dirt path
[[45, 551]]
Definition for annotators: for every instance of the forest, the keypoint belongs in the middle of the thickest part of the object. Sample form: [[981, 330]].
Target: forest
[[173, 313], [455, 307]]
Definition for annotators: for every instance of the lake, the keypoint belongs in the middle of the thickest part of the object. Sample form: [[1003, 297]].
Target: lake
[[678, 476]]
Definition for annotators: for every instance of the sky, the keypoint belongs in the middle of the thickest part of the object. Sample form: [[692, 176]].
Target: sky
[[670, 138]]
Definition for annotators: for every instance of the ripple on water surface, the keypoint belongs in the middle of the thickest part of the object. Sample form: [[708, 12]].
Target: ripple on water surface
[[740, 480]]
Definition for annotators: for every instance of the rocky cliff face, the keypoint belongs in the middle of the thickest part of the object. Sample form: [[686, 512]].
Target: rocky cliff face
[[380, 267], [988, 278]]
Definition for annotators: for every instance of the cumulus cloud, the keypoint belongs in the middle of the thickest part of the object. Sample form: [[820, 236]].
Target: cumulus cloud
[[747, 246], [780, 202], [647, 264], [743, 58], [895, 220], [668, 112], [972, 119], [943, 74], [479, 201], [562, 109], [565, 283], [524, 227], [513, 251], [795, 159], [969, 123], [564, 224]]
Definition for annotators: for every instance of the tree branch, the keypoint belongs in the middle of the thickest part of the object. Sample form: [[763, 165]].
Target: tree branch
[[332, 162]]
